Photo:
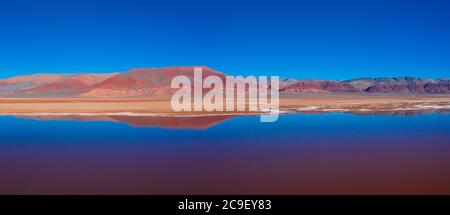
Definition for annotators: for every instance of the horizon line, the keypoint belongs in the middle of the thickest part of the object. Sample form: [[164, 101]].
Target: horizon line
[[197, 66]]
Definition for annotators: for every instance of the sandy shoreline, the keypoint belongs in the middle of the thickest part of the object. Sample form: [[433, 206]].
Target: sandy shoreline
[[161, 107]]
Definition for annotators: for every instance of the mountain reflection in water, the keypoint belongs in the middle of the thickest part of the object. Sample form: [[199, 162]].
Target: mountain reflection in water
[[201, 122], [192, 122], [332, 153]]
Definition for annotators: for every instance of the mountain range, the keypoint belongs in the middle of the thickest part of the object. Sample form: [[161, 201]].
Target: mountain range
[[156, 82]]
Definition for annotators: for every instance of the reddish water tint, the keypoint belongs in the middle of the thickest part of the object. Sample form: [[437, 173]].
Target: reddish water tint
[[299, 154]]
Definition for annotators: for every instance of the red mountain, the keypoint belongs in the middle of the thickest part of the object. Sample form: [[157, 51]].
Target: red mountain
[[401, 85], [144, 82], [156, 82], [318, 87], [28, 81], [372, 85], [70, 84]]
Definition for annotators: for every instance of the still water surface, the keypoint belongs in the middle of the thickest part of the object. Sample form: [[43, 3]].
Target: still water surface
[[298, 154]]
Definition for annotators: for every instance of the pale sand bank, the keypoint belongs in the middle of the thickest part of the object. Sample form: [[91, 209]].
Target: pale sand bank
[[162, 107]]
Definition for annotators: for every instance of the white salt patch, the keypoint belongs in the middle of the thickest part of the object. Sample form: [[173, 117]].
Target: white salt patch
[[309, 108]]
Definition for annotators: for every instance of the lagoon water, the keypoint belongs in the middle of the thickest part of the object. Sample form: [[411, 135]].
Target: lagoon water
[[298, 154]]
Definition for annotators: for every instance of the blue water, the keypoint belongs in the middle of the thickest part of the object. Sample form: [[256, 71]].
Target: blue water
[[298, 154]]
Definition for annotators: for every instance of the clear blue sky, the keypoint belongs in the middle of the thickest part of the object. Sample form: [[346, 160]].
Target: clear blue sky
[[302, 39]]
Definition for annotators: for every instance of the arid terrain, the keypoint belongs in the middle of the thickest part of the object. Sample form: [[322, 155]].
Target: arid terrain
[[147, 92], [140, 106]]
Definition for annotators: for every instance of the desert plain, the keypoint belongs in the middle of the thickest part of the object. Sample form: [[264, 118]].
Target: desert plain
[[162, 106]]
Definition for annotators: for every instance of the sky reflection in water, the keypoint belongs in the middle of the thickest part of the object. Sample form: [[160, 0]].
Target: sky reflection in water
[[298, 154]]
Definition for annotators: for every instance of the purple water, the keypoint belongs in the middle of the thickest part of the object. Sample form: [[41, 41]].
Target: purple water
[[298, 154]]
